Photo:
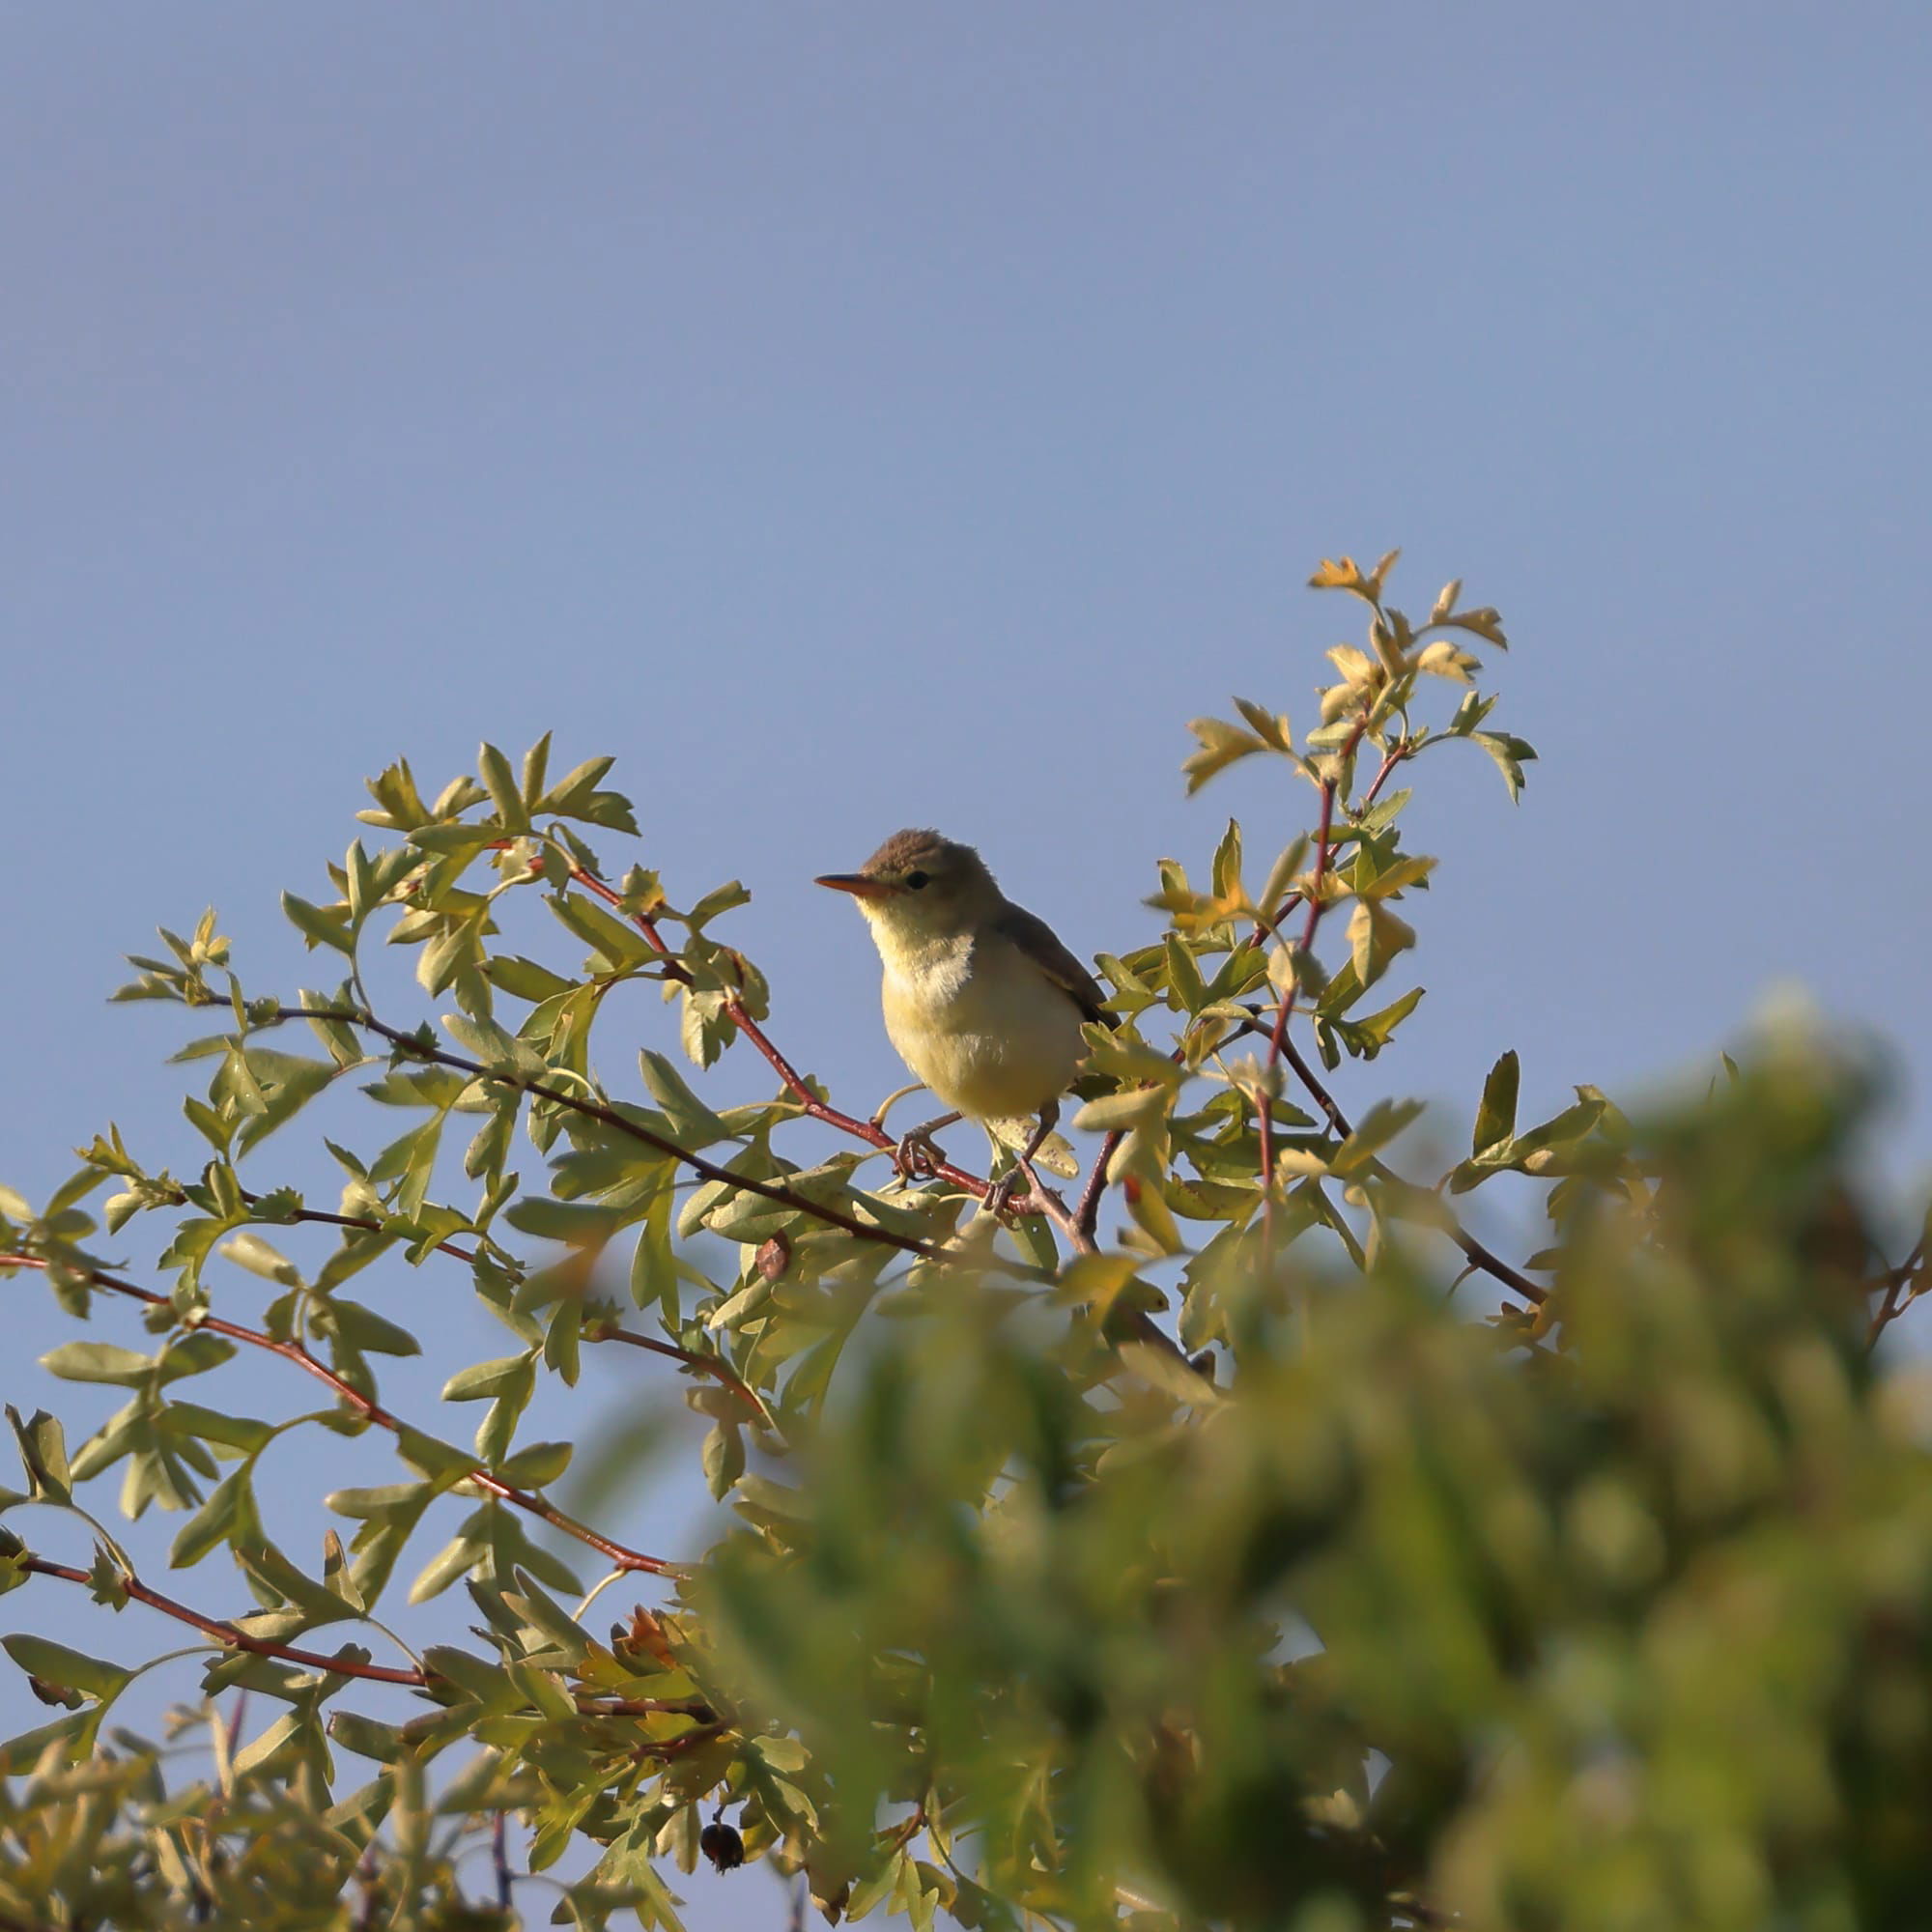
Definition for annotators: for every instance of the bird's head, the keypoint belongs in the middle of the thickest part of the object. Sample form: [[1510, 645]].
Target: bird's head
[[919, 885]]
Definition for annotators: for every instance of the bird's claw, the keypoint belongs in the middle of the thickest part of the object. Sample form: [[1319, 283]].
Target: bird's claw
[[917, 1157], [1013, 1189]]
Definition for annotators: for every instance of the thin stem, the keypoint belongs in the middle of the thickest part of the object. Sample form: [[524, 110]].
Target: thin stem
[[1079, 1233], [1087, 1216], [1285, 1008], [500, 1861], [413, 1046], [1894, 1305], [1477, 1254], [366, 1406], [708, 1365], [795, 1082], [1397, 752], [228, 1634], [231, 1636], [325, 1219]]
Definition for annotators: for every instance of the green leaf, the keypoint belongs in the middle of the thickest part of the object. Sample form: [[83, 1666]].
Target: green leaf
[[1369, 1034], [73, 1669], [489, 1379], [278, 1576], [97, 1362], [570, 792], [454, 841], [360, 1247], [1221, 745], [692, 1123], [228, 1515], [536, 1464], [192, 1354], [723, 1457], [1184, 976], [537, 766], [1171, 1374], [1510, 754], [253, 1755], [336, 1577], [318, 926], [366, 1737], [560, 1351], [394, 790], [1111, 1113], [1375, 935], [288, 1083], [362, 1329], [455, 1559], [1495, 1116], [620, 948], [212, 1425], [574, 1222], [1571, 1125], [1373, 1131], [251, 1252], [722, 898], [44, 1455], [505, 794], [559, 1632], [524, 978], [1482, 622]]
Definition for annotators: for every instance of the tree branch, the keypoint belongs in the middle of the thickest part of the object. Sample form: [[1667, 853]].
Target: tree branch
[[1894, 1304], [1478, 1255], [795, 1082], [621, 1556], [231, 1636], [710, 1365], [601, 1331], [414, 1047], [1285, 1008]]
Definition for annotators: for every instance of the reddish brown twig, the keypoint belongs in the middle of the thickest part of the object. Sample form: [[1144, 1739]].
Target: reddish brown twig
[[795, 1082], [1285, 1007], [1401, 750], [230, 1636], [621, 1557], [328, 1220], [709, 1365], [1087, 1217], [415, 1047], [1895, 1301], [1479, 1255]]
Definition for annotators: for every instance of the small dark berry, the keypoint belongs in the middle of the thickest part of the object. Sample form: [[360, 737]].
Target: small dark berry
[[723, 1846]]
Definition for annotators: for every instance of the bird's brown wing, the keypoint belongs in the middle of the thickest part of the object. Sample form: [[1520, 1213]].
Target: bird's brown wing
[[1039, 943]]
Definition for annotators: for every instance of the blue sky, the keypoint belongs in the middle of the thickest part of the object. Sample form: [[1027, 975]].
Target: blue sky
[[862, 415]]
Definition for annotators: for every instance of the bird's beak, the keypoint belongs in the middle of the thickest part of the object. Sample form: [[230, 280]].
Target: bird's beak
[[858, 885]]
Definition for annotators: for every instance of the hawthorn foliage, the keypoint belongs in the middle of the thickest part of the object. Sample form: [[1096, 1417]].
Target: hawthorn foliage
[[1180, 1552]]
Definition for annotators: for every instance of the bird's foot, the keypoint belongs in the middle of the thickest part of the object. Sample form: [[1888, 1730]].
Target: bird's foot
[[998, 1200], [917, 1157], [1018, 1192]]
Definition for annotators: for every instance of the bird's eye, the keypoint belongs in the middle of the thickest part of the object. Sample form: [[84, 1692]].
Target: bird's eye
[[918, 880]]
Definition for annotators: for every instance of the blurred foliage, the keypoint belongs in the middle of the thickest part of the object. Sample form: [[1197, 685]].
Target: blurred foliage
[[1223, 1570]]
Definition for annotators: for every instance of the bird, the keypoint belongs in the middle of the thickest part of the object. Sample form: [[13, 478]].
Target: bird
[[982, 1001]]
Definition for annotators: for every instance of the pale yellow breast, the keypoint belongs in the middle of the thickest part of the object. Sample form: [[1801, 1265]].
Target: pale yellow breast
[[982, 1025]]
